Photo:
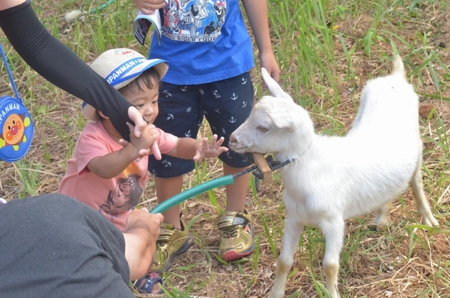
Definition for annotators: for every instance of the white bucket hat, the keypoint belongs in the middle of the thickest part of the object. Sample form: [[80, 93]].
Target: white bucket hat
[[119, 67]]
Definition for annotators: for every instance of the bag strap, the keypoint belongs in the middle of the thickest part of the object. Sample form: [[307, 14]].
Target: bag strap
[[10, 74]]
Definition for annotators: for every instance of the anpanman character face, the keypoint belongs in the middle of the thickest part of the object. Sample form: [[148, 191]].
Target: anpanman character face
[[13, 129]]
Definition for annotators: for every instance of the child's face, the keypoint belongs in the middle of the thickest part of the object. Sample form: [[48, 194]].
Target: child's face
[[145, 100]]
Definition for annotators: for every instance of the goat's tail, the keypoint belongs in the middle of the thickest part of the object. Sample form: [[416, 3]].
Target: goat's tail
[[273, 86], [397, 66]]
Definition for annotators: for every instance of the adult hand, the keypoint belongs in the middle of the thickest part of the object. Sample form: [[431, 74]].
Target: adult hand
[[141, 232], [149, 6], [142, 219], [139, 122]]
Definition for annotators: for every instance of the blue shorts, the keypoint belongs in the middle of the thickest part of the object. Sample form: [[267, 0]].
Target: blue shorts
[[225, 104]]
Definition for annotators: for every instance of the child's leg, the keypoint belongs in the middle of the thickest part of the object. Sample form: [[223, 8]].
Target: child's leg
[[235, 223], [166, 188], [179, 114], [237, 191], [227, 104]]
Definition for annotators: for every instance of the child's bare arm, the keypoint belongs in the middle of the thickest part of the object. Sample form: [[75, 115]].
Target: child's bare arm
[[259, 22], [189, 148], [112, 164]]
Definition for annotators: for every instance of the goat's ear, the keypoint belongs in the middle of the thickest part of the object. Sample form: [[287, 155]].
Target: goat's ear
[[282, 119], [273, 86]]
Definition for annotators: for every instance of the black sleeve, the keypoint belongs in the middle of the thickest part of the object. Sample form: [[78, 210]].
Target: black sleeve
[[58, 64]]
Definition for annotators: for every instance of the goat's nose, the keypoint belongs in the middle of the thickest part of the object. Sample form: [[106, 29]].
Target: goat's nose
[[232, 138]]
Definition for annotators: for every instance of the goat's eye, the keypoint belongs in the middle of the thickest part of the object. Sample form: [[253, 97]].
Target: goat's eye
[[262, 128]]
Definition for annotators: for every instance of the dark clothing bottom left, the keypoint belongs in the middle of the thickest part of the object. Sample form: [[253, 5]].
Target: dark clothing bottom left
[[55, 246]]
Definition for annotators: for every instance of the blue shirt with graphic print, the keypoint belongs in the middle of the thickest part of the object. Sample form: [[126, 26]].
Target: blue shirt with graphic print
[[203, 40]]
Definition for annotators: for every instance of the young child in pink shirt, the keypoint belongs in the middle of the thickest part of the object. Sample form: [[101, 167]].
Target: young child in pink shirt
[[106, 172], [103, 173]]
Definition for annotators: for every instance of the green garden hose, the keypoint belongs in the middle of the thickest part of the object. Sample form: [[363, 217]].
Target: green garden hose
[[196, 190], [221, 181]]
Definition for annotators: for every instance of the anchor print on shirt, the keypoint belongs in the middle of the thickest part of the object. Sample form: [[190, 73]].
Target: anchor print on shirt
[[234, 96], [243, 81], [184, 88]]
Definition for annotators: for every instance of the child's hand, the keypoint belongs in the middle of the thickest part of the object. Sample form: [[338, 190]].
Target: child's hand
[[149, 6], [213, 149]]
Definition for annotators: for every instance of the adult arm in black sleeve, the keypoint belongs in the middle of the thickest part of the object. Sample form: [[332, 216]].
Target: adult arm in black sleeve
[[58, 64]]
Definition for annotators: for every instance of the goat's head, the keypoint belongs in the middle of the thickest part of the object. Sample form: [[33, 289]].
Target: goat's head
[[275, 125]]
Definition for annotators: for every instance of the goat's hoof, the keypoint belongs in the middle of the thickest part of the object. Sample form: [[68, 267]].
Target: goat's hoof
[[431, 221]]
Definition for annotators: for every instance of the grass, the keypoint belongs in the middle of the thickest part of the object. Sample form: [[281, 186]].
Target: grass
[[327, 50]]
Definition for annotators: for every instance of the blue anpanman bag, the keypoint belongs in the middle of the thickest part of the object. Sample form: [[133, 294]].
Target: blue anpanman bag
[[16, 126]]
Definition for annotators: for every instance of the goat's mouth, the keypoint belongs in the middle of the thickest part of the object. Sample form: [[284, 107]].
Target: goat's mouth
[[239, 148], [245, 149]]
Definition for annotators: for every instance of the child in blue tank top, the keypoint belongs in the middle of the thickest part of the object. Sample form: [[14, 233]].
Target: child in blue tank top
[[210, 54]]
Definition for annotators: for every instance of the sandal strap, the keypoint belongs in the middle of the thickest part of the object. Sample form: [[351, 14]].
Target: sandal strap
[[150, 280]]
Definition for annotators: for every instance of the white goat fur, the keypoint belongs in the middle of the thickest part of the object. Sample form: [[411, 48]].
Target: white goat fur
[[335, 178]]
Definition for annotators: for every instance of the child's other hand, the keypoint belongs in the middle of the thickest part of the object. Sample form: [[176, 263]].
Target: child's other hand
[[209, 150]]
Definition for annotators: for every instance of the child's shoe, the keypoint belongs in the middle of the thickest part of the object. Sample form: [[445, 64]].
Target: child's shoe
[[237, 235], [171, 243]]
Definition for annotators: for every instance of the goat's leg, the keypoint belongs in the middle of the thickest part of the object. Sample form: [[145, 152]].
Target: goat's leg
[[292, 233], [422, 203], [334, 237], [382, 217]]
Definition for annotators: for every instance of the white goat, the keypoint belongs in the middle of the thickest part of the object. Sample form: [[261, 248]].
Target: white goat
[[335, 178]]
